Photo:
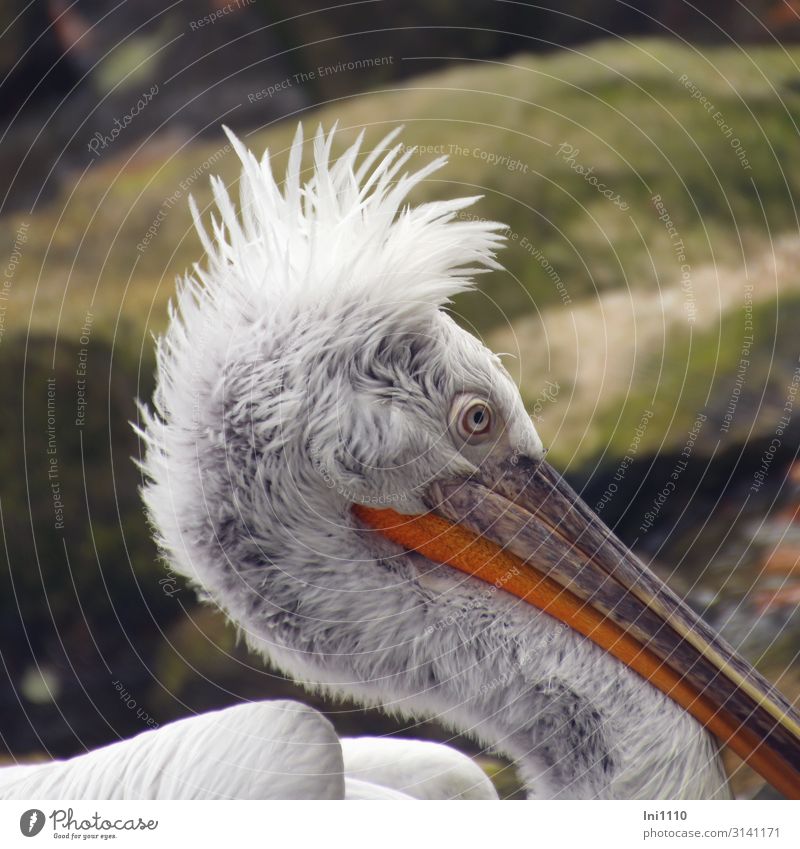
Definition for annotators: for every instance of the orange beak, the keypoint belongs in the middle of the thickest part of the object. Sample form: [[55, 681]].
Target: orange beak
[[518, 525]]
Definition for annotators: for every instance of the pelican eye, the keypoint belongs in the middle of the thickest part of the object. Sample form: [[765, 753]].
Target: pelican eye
[[473, 420]]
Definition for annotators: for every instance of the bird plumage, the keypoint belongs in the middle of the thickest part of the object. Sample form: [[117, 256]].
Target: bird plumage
[[311, 366]]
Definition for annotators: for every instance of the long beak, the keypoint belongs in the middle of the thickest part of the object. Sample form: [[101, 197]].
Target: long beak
[[518, 525]]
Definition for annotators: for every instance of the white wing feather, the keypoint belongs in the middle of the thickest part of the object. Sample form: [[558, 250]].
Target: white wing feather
[[262, 750]]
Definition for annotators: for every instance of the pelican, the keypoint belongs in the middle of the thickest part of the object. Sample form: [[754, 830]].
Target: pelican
[[353, 479]]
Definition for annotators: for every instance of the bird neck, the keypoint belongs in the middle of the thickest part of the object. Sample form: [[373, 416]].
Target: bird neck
[[576, 722]]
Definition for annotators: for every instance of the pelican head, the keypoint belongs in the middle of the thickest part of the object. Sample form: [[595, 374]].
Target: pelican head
[[353, 479]]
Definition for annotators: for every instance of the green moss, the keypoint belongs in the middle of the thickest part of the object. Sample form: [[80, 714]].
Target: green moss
[[698, 373]]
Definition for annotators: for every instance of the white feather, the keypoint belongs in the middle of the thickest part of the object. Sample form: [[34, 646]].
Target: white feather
[[262, 750]]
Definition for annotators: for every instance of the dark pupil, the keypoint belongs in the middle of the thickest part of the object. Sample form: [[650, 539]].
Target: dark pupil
[[477, 417]]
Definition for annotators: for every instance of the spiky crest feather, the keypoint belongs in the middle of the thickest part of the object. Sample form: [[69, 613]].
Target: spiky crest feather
[[342, 235]]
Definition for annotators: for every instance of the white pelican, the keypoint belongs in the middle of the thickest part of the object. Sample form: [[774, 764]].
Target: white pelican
[[354, 480]]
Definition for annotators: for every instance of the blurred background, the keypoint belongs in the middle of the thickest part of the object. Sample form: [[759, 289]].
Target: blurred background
[[644, 156]]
